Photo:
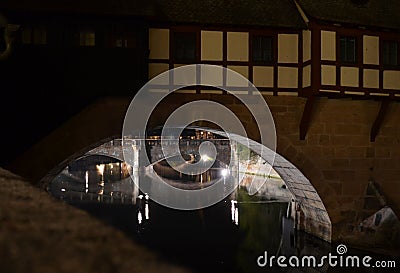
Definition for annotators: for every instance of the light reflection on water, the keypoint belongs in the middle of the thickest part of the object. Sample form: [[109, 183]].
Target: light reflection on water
[[226, 237]]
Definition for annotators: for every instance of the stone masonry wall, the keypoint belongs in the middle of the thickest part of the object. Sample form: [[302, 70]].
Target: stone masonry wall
[[337, 155]]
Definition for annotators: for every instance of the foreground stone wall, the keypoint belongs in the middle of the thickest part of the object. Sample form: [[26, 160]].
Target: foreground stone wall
[[40, 234], [336, 156]]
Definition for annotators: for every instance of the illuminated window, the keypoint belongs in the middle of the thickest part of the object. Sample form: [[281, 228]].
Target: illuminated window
[[185, 46], [348, 49], [87, 38], [263, 49], [121, 43], [121, 36], [390, 53], [34, 35]]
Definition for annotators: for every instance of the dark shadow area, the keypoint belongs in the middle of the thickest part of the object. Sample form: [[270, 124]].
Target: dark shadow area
[[51, 76]]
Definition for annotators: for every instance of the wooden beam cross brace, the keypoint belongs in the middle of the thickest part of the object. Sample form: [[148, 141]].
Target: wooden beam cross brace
[[379, 119], [307, 116]]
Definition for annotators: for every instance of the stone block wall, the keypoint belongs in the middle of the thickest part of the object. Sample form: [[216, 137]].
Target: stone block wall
[[336, 155]]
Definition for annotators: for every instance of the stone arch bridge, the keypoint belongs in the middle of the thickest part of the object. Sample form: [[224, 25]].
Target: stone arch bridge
[[311, 214], [329, 144]]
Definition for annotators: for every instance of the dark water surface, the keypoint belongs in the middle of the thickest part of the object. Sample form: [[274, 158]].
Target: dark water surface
[[211, 240], [226, 237]]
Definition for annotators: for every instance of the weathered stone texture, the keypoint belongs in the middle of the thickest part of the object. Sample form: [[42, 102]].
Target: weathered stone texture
[[43, 235]]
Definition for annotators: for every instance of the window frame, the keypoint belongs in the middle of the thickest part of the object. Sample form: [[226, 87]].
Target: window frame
[[84, 34], [34, 35], [120, 36], [345, 59], [178, 59], [263, 60], [397, 51]]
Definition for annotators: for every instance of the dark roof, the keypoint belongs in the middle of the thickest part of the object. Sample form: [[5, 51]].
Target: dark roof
[[264, 13], [373, 13], [109, 7], [275, 13]]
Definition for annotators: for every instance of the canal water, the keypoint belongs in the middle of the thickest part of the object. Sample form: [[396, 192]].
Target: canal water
[[226, 237]]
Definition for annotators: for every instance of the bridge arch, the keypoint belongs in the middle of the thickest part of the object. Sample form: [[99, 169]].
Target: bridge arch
[[310, 211], [336, 156], [310, 169]]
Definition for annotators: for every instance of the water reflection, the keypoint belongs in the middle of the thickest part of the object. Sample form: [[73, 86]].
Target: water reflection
[[143, 208], [95, 178], [181, 179], [227, 237], [234, 212]]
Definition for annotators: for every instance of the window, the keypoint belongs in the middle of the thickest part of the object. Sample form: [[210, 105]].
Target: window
[[390, 53], [121, 43], [34, 35], [185, 46], [124, 40], [262, 49], [348, 49], [121, 36], [87, 38]]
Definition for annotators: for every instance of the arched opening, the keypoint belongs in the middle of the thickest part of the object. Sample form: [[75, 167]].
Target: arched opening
[[231, 232]]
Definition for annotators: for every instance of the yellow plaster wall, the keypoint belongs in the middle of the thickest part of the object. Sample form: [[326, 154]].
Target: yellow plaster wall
[[288, 48], [287, 77], [391, 79], [211, 45], [306, 45], [349, 76], [328, 75], [263, 76], [233, 80], [159, 43], [371, 78], [371, 49], [155, 69], [212, 77], [328, 45], [238, 46]]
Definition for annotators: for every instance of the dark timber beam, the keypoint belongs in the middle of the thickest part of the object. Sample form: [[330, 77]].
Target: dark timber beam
[[307, 116], [379, 119]]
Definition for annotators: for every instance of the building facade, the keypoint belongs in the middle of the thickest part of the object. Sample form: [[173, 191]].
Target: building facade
[[283, 47], [58, 57]]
